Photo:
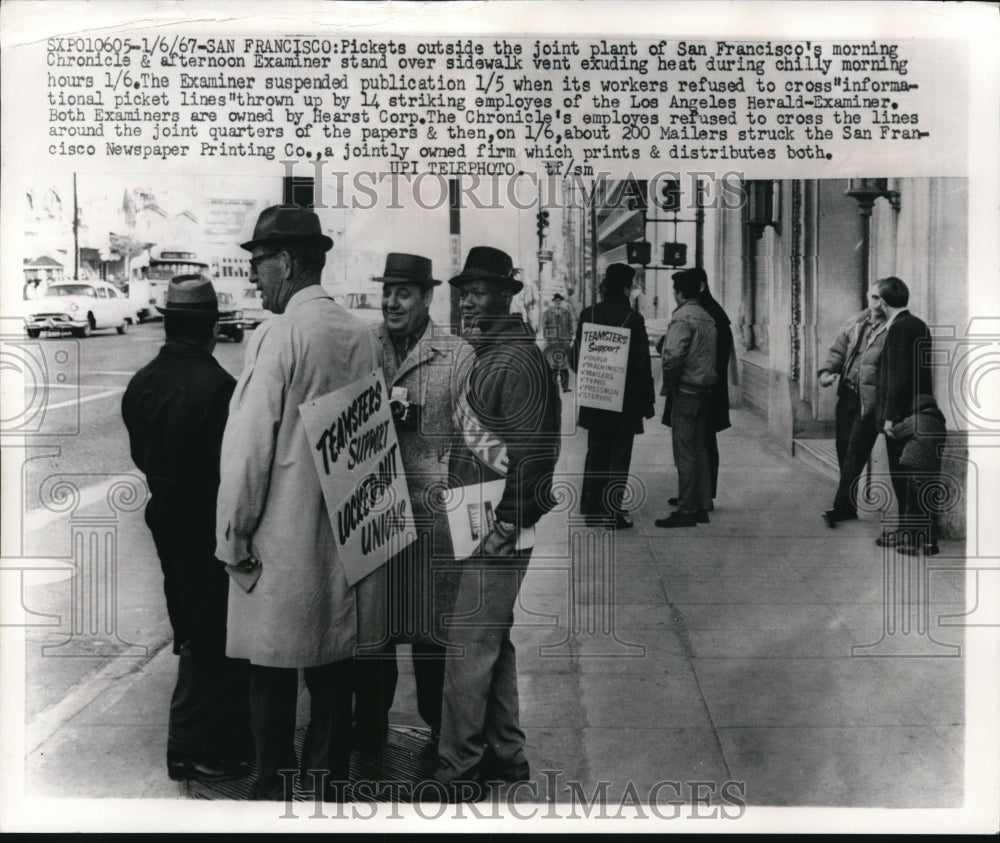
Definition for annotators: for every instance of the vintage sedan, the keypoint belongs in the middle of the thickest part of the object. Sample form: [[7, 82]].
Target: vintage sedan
[[231, 321], [79, 307]]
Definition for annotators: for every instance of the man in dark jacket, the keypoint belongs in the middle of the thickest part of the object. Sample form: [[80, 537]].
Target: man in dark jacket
[[904, 372], [610, 434], [510, 425], [718, 401], [175, 409]]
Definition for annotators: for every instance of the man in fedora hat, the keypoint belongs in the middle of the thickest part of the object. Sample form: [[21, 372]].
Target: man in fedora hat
[[689, 373], [294, 607], [425, 368], [557, 330], [610, 434], [175, 409], [510, 424]]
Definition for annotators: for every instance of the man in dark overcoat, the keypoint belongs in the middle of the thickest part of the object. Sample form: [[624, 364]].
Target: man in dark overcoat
[[175, 409], [904, 373], [610, 434]]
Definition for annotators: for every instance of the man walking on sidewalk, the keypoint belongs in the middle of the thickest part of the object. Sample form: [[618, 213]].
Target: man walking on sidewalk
[[175, 409], [688, 376], [510, 427], [854, 356]]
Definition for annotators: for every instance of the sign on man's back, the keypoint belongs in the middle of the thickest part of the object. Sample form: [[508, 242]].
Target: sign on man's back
[[361, 473], [600, 377]]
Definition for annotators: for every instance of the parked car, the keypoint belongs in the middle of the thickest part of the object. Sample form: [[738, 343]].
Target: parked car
[[253, 310], [79, 307], [231, 322]]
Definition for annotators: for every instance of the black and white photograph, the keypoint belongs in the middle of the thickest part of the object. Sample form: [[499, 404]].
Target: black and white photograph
[[546, 416]]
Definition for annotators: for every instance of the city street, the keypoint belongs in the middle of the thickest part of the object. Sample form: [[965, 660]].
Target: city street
[[761, 652]]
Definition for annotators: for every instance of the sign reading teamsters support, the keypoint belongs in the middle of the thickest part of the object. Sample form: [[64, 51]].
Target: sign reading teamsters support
[[357, 457], [600, 377]]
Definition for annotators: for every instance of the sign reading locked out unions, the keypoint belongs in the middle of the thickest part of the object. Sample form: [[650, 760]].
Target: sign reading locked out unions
[[356, 453], [601, 372]]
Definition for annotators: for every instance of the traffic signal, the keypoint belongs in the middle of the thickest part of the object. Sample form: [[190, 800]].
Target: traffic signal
[[675, 254], [543, 222], [638, 252], [668, 195]]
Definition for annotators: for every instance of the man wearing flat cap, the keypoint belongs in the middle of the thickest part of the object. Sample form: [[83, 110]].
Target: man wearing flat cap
[[175, 409], [425, 368], [510, 422], [293, 607], [610, 434]]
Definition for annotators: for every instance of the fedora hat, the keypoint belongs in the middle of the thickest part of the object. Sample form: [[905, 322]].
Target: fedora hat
[[192, 294], [557, 297], [488, 264], [288, 224], [407, 269], [618, 276]]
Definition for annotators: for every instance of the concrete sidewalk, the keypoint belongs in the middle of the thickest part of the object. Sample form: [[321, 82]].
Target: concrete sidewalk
[[761, 659]]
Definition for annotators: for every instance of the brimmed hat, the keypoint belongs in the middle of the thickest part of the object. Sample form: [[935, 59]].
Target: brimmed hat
[[618, 276], [193, 294], [557, 297], [407, 269], [489, 264], [288, 224]]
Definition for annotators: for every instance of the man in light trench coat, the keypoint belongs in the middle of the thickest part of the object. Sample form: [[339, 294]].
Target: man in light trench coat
[[290, 605], [426, 370]]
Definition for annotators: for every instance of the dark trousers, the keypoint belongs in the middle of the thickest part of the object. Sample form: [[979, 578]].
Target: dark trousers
[[327, 748], [914, 494], [688, 422], [606, 467], [855, 439], [712, 443], [375, 679], [210, 707], [897, 474]]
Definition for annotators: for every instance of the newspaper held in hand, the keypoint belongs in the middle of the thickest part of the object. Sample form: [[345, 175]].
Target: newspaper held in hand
[[471, 517]]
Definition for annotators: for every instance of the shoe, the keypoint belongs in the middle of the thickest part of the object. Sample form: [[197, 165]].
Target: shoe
[[702, 516], [567, 389], [622, 522], [677, 502], [678, 519], [206, 769]]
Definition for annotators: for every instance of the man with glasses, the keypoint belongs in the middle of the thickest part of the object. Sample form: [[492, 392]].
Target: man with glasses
[[294, 607]]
